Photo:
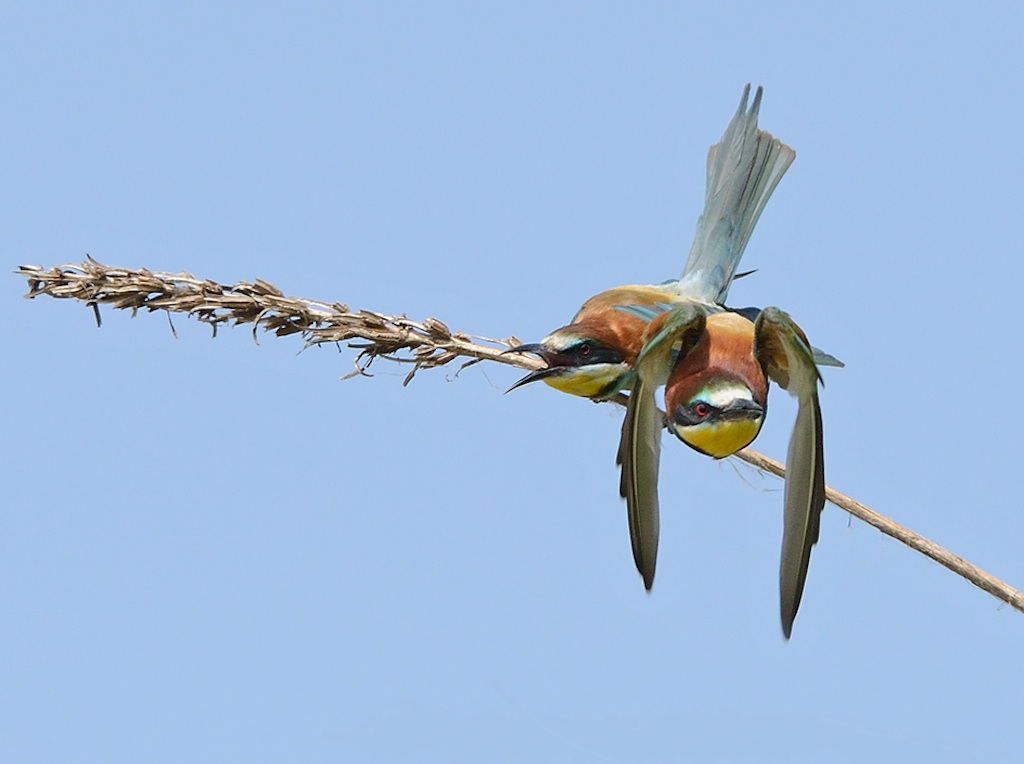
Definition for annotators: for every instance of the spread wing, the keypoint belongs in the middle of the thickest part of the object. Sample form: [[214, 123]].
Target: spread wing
[[786, 356], [640, 444]]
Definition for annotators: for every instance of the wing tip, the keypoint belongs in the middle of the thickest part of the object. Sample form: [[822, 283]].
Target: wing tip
[[648, 576], [787, 625], [789, 607], [644, 567]]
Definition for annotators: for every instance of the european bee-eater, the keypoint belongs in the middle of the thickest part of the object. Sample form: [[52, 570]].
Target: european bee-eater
[[715, 362], [715, 367]]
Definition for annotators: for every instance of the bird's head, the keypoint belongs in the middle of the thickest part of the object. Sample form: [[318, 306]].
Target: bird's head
[[716, 414], [579, 362]]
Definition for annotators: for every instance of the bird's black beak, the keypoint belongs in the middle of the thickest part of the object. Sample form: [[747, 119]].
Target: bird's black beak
[[742, 409], [533, 376], [546, 355], [534, 347]]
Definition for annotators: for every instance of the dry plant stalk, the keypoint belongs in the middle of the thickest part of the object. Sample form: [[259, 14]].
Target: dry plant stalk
[[421, 344]]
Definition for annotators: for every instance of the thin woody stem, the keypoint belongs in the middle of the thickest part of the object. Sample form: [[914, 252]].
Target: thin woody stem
[[941, 555]]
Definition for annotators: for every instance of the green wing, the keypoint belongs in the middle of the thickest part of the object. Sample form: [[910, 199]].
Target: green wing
[[639, 454], [787, 358], [640, 444]]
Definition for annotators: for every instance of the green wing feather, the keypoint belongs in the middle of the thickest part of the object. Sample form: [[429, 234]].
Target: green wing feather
[[787, 358], [639, 454], [640, 445]]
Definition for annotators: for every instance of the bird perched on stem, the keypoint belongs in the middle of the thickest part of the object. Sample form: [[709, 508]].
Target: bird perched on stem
[[715, 362]]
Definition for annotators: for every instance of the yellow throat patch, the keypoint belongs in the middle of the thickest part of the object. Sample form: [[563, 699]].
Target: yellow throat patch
[[587, 382], [720, 439]]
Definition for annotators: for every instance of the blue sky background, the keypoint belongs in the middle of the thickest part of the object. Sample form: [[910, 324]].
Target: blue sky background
[[213, 551]]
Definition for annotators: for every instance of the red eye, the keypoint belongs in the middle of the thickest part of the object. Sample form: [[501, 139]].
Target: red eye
[[701, 409], [584, 349]]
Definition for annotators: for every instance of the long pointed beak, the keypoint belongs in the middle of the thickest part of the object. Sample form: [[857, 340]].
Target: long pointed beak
[[743, 409], [534, 347], [533, 376], [539, 350]]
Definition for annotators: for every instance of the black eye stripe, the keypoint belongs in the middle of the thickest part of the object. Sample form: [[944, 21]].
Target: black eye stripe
[[590, 352], [696, 413]]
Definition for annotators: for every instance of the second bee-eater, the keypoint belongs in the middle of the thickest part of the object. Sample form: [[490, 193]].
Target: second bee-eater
[[715, 367]]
